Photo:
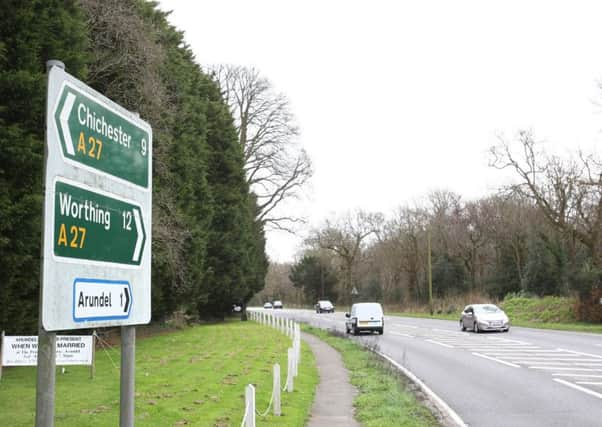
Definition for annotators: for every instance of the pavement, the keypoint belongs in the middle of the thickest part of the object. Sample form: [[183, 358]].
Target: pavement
[[333, 404]]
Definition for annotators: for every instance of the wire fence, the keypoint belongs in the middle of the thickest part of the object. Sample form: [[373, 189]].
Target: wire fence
[[292, 330]]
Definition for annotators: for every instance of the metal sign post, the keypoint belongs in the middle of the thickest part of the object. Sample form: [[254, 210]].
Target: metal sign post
[[96, 251]]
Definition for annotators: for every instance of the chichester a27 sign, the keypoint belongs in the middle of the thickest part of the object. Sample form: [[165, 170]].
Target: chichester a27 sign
[[97, 211], [97, 136]]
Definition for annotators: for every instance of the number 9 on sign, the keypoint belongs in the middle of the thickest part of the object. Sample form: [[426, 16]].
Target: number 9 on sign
[[143, 147]]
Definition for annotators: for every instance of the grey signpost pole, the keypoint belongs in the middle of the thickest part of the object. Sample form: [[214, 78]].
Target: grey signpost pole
[[46, 374], [128, 363]]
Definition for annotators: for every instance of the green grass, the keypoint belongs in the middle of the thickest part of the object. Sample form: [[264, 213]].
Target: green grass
[[195, 376], [384, 397]]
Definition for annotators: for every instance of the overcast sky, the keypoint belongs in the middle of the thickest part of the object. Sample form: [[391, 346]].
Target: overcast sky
[[398, 98]]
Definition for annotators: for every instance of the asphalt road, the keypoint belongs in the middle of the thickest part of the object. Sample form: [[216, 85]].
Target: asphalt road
[[526, 377]]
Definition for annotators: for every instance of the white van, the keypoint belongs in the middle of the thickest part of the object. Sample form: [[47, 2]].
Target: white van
[[365, 316]]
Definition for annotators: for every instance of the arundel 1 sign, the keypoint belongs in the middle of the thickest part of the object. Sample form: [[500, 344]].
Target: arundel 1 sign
[[97, 136]]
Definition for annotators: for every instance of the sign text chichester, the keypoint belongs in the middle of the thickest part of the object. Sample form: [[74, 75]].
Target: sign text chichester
[[93, 134]]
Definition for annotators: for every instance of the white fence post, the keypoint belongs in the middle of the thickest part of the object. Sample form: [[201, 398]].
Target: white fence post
[[295, 360], [299, 343], [289, 371], [250, 405], [276, 390]]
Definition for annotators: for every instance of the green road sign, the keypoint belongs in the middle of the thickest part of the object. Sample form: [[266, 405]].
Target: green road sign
[[92, 226], [98, 136]]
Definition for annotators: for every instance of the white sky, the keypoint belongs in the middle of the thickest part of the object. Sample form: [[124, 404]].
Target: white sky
[[397, 98]]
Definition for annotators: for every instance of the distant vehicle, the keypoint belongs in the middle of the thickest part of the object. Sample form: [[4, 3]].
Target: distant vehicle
[[484, 317], [277, 304], [365, 316], [236, 308], [324, 306], [267, 305]]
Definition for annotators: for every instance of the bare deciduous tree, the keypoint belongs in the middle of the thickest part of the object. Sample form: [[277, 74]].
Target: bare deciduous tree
[[568, 192], [346, 238], [275, 165]]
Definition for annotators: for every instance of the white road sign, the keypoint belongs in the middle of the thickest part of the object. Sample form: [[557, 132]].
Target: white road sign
[[97, 211]]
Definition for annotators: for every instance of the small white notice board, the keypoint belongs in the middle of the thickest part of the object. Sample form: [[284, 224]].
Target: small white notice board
[[70, 350]]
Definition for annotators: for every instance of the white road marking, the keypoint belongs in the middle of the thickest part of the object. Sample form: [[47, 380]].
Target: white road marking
[[589, 383], [440, 343], [496, 360], [582, 354], [449, 332], [401, 334], [577, 387], [438, 401], [560, 368], [508, 340], [497, 349], [578, 375], [519, 354], [526, 362], [554, 359]]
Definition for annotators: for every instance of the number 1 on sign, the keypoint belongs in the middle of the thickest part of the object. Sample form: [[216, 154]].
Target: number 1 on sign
[[127, 220]]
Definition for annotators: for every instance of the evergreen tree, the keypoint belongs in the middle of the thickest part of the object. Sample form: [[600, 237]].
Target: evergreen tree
[[32, 32], [317, 279]]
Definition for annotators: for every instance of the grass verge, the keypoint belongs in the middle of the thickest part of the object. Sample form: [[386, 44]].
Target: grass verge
[[385, 397], [194, 376]]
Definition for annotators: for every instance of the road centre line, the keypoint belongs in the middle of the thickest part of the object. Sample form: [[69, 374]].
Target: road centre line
[[526, 362], [522, 353], [402, 334], [578, 375], [577, 387], [448, 331], [589, 383], [588, 365], [535, 359], [496, 360], [502, 353], [509, 341], [582, 354], [560, 368], [504, 348], [440, 343]]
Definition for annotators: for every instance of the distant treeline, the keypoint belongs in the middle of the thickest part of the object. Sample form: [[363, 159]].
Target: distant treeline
[[540, 236], [207, 246]]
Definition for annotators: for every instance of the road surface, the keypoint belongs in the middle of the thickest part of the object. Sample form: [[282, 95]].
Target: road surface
[[526, 377]]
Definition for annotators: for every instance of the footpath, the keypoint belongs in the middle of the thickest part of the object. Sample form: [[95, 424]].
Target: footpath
[[333, 404]]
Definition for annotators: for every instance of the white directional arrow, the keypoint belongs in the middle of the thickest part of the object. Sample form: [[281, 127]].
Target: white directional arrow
[[65, 112], [140, 236]]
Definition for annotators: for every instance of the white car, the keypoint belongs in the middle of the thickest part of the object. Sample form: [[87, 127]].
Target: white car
[[365, 316], [324, 306], [277, 304], [267, 305], [484, 317]]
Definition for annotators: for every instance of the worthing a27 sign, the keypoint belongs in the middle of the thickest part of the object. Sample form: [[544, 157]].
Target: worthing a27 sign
[[97, 211]]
